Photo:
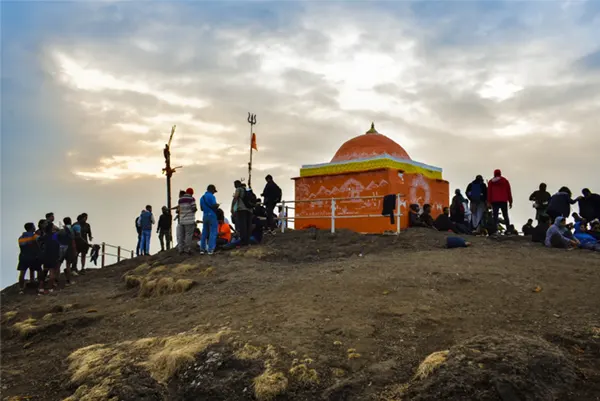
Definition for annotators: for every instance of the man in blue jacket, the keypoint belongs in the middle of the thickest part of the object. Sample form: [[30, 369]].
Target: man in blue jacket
[[477, 194], [210, 223], [146, 222]]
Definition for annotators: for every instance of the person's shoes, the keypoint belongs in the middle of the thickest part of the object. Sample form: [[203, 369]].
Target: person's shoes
[[74, 274], [210, 253], [21, 292], [202, 252]]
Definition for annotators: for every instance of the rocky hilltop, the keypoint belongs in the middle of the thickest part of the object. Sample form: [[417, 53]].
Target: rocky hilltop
[[315, 316]]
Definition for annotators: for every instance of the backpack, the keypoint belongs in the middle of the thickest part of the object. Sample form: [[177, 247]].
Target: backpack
[[475, 192], [249, 198]]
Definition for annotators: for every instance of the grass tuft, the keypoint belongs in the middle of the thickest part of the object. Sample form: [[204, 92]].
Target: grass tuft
[[25, 327], [269, 385], [183, 268], [249, 352], [10, 315], [430, 364]]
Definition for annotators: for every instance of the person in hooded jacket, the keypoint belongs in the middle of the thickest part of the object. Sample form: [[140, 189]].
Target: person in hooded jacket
[[477, 195], [540, 199], [586, 240], [413, 216], [589, 205], [558, 236], [272, 196], [560, 204], [499, 197]]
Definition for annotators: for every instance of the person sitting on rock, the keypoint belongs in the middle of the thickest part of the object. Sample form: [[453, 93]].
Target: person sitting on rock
[[426, 216], [224, 231], [539, 231], [414, 219], [586, 241], [528, 228], [557, 235], [443, 222]]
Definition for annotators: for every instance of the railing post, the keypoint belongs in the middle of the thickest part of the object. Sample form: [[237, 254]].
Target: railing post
[[332, 215], [131, 254], [103, 254], [118, 254], [283, 219], [287, 215], [398, 214]]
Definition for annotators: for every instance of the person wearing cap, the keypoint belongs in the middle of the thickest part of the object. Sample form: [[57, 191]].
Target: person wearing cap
[[187, 220], [210, 224], [164, 229]]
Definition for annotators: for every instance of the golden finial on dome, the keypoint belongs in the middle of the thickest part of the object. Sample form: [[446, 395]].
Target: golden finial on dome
[[372, 130]]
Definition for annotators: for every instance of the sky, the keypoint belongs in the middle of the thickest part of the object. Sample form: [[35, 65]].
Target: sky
[[90, 90]]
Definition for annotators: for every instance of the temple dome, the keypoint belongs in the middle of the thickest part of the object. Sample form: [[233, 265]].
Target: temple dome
[[371, 144]]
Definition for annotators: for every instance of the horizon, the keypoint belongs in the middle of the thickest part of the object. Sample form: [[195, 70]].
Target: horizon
[[90, 91]]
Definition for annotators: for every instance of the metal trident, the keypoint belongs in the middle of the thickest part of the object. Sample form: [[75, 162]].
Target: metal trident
[[251, 121]]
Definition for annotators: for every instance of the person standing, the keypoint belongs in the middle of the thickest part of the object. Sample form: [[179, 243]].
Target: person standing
[[138, 229], [499, 196], [271, 196], [28, 256], [164, 229], [457, 208], [187, 220], [540, 199], [146, 222], [589, 205], [477, 194], [560, 204], [81, 233], [242, 213], [210, 224]]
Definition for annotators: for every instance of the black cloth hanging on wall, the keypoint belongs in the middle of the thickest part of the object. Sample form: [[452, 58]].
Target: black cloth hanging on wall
[[389, 206]]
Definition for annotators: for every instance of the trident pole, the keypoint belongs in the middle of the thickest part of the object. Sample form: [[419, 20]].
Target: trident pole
[[252, 122]]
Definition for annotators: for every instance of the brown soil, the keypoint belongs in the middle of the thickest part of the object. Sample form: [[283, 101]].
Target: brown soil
[[333, 317]]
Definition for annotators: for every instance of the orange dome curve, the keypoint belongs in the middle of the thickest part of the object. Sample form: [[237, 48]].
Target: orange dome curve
[[371, 144]]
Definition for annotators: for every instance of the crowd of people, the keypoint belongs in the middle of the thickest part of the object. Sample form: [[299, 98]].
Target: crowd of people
[[251, 217], [479, 214], [44, 249]]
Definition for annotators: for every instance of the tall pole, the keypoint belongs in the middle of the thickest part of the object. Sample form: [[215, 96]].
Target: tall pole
[[251, 121], [168, 170]]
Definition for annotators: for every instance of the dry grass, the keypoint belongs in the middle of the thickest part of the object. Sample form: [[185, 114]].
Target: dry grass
[[132, 281], [47, 317], [158, 270], [430, 364], [97, 368], [183, 268], [338, 372], [141, 269], [269, 385], [176, 351], [25, 327], [10, 315], [147, 288], [302, 373], [209, 271], [249, 352]]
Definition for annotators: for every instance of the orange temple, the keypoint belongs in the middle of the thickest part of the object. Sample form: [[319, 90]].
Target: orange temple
[[367, 165]]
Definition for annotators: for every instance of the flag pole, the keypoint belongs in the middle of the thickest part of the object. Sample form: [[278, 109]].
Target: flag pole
[[251, 121]]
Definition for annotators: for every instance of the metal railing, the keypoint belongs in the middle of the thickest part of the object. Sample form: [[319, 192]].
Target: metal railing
[[333, 215], [119, 255]]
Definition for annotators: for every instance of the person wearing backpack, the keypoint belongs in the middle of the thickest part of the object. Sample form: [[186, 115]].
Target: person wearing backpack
[[241, 209], [146, 222], [272, 196], [210, 224], [477, 195]]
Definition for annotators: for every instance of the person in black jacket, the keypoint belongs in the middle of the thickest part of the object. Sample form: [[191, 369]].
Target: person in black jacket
[[528, 228], [539, 232], [589, 205], [164, 229], [272, 196], [426, 217], [540, 199], [477, 195], [560, 204]]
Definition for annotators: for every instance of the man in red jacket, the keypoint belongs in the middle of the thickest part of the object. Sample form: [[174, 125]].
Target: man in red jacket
[[499, 196]]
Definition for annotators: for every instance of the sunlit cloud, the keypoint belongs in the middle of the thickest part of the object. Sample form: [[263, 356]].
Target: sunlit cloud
[[74, 74]]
